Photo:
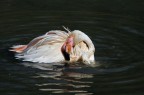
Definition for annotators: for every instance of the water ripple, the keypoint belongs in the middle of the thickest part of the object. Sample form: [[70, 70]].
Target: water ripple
[[118, 40]]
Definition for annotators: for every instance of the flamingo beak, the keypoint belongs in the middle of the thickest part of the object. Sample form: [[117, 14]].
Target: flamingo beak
[[68, 47], [69, 44]]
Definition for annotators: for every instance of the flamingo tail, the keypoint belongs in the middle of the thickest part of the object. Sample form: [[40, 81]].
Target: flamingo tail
[[18, 48]]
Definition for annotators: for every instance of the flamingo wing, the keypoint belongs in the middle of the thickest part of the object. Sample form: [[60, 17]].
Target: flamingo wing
[[45, 48]]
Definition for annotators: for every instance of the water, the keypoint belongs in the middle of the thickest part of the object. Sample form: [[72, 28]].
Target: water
[[116, 31]]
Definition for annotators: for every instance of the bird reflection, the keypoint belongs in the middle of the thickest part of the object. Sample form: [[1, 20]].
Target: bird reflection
[[60, 79]]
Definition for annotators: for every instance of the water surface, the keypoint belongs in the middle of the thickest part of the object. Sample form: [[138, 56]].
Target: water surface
[[116, 32]]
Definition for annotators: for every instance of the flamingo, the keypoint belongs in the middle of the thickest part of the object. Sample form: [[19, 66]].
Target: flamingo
[[57, 46]]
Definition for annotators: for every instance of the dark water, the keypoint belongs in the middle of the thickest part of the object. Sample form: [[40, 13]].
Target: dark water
[[116, 28]]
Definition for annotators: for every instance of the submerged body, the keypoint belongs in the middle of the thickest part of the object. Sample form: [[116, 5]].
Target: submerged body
[[57, 46]]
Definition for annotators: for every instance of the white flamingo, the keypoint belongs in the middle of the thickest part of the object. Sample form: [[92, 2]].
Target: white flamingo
[[57, 46]]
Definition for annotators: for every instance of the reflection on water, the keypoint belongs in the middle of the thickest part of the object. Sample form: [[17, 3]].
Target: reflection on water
[[71, 82], [118, 39], [61, 79]]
